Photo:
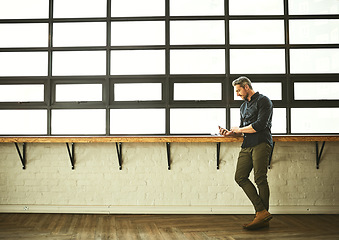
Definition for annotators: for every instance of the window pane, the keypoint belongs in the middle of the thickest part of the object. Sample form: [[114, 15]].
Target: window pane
[[235, 117], [23, 64], [278, 119], [78, 92], [272, 90], [197, 32], [314, 31], [20, 9], [198, 61], [79, 121], [138, 8], [79, 34], [197, 91], [257, 61], [314, 60], [22, 93], [256, 31], [258, 7], [24, 35], [315, 120], [316, 91], [137, 121], [134, 62], [137, 92], [79, 8], [196, 7], [79, 63], [138, 33], [305, 7], [197, 120], [23, 121]]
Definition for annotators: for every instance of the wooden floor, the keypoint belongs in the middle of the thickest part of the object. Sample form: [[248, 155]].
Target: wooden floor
[[158, 227]]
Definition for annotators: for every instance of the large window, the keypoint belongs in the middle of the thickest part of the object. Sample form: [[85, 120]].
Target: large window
[[116, 67]]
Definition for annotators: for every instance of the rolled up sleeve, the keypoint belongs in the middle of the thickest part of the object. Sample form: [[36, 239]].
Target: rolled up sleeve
[[265, 112]]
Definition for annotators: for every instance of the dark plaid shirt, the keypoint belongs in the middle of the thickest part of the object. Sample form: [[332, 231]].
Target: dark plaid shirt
[[257, 112]]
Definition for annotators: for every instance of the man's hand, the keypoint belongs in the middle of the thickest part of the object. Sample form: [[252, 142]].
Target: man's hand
[[224, 131], [235, 129]]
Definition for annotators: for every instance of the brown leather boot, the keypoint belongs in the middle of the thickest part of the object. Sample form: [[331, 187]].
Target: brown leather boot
[[259, 226], [259, 220]]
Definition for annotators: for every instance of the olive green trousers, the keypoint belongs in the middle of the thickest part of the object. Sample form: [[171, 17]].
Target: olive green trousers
[[255, 158]]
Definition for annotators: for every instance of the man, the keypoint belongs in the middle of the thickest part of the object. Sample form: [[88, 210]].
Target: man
[[256, 121]]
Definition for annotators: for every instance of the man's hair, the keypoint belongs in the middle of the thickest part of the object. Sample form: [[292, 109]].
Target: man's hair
[[242, 81]]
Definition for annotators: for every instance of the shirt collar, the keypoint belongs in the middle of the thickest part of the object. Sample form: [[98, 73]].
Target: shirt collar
[[254, 96]]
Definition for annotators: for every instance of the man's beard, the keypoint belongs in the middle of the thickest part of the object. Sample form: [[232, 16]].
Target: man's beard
[[245, 96]]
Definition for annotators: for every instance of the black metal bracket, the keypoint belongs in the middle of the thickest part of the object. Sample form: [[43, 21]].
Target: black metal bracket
[[71, 155], [23, 155], [270, 159], [118, 147], [218, 155], [168, 146], [318, 155]]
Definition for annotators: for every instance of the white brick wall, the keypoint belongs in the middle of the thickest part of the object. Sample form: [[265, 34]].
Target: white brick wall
[[144, 181]]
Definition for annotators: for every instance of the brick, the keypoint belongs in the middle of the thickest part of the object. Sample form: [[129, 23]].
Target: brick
[[145, 180]]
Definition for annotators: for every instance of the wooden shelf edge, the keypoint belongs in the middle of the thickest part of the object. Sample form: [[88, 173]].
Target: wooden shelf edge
[[160, 139]]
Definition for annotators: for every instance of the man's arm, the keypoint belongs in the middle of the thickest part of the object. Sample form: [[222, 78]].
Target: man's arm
[[247, 129], [265, 111], [225, 132]]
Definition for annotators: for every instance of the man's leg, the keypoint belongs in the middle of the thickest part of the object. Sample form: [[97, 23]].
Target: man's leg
[[244, 167], [248, 158], [260, 156]]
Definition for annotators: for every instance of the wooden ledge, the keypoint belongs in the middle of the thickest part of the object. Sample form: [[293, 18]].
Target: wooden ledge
[[306, 138], [162, 139]]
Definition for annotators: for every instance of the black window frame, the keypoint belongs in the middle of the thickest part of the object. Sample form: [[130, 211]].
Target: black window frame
[[167, 80]]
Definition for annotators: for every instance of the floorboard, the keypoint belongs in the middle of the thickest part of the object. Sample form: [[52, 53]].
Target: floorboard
[[164, 227]]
